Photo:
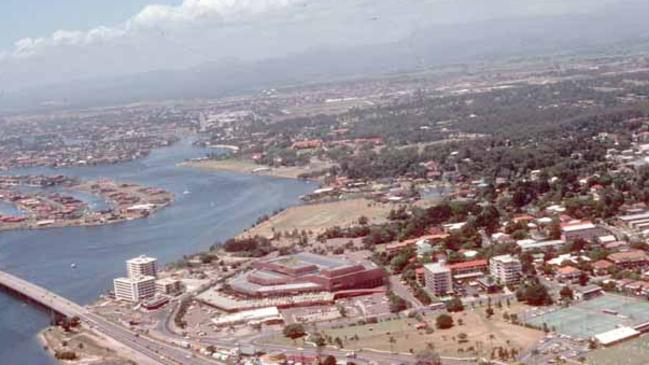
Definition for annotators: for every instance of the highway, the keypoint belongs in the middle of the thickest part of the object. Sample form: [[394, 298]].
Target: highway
[[149, 350]]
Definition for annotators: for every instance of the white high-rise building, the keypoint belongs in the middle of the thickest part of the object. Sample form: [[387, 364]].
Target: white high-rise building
[[142, 266], [438, 278], [506, 269], [134, 289]]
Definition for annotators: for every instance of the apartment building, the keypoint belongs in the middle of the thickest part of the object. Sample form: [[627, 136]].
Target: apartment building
[[506, 269], [142, 266], [438, 278]]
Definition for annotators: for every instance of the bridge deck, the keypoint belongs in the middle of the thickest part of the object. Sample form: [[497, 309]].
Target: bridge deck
[[41, 295]]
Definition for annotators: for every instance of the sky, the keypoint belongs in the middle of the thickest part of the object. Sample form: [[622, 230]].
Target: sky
[[37, 18], [53, 41]]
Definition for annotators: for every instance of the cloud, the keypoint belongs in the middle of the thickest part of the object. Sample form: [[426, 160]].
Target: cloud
[[155, 18], [202, 31]]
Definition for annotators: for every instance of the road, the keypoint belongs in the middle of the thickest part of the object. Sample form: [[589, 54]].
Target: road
[[403, 291], [151, 351]]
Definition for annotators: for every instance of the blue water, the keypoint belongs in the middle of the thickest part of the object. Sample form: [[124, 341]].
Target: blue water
[[9, 209], [218, 206]]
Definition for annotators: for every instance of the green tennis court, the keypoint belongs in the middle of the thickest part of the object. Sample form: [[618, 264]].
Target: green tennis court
[[588, 318]]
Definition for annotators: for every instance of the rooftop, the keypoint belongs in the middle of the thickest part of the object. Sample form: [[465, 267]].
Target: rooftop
[[437, 267]]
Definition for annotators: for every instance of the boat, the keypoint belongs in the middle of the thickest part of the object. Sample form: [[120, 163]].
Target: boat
[[73, 265], [186, 192]]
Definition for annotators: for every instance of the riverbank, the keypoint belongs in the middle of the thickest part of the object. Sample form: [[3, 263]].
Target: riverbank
[[318, 217], [250, 167], [81, 346]]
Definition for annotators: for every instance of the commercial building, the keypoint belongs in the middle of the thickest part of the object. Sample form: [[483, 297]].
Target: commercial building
[[506, 269], [438, 278], [527, 245], [168, 286], [306, 272], [134, 289], [584, 230], [261, 315], [142, 266]]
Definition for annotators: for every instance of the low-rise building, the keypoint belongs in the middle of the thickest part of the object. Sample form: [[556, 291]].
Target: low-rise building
[[601, 267], [527, 245], [567, 274], [587, 292], [584, 230], [438, 278], [168, 286], [306, 272], [506, 269], [629, 259], [469, 269]]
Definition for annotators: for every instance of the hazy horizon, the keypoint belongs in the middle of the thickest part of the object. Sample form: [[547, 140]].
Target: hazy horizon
[[189, 35]]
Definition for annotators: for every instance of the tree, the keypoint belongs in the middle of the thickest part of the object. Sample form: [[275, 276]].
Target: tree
[[294, 331], [427, 357], [329, 360], [566, 293], [397, 304], [444, 321], [455, 305], [489, 312], [536, 294]]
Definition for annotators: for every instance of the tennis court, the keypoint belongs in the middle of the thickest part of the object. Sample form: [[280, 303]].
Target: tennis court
[[588, 318]]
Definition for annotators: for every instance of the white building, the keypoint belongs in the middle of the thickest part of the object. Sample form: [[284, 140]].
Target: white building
[[142, 266], [168, 286], [438, 278], [134, 289], [534, 245], [506, 269], [261, 315]]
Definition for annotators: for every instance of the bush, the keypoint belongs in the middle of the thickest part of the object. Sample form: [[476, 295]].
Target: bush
[[444, 321]]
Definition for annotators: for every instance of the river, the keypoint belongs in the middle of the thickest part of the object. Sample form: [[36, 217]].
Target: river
[[217, 206]]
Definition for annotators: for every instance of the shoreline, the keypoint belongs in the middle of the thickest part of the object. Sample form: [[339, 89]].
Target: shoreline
[[248, 168]]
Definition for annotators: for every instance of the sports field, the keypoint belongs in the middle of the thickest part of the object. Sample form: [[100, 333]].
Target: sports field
[[588, 318]]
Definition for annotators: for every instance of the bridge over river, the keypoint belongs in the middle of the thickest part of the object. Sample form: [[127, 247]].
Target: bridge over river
[[145, 350]]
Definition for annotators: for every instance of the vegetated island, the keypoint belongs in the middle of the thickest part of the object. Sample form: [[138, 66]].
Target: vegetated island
[[60, 201]]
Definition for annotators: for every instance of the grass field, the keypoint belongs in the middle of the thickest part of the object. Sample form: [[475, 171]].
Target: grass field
[[400, 335], [317, 217], [248, 167], [632, 352]]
